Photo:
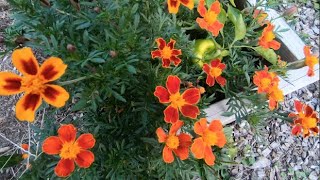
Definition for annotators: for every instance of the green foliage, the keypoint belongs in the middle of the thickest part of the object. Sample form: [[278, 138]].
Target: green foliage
[[10, 160]]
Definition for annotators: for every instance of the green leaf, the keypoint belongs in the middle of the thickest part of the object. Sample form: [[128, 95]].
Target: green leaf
[[232, 2], [236, 18], [118, 96], [227, 114], [82, 103], [267, 54], [9, 161], [97, 60], [131, 69]]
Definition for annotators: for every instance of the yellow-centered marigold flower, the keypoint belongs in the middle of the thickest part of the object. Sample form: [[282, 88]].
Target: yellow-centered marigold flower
[[275, 95], [177, 143], [174, 5], [265, 79], [35, 83], [267, 38], [305, 121], [70, 149], [311, 60], [210, 20], [167, 53]]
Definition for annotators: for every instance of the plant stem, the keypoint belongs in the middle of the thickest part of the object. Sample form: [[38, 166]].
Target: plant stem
[[73, 81]]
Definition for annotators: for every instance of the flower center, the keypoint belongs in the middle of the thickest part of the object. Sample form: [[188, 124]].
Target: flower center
[[215, 72], [269, 36], [32, 84], [265, 83], [166, 52], [309, 122], [172, 142], [69, 150], [311, 60], [177, 100], [210, 17], [209, 138]]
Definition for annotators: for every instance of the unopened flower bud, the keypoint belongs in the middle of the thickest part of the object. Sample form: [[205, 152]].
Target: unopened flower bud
[[202, 90], [71, 48], [291, 11], [113, 54], [97, 9]]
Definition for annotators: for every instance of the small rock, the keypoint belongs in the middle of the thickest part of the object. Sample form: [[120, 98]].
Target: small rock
[[266, 152], [4, 149], [313, 176], [297, 167], [261, 163], [315, 29]]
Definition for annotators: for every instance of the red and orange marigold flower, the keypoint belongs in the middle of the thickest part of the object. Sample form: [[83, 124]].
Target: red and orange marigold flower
[[210, 20], [267, 38], [209, 136], [214, 71], [174, 5], [275, 95], [305, 121], [179, 144], [34, 82], [311, 60], [70, 149], [167, 53], [185, 102]]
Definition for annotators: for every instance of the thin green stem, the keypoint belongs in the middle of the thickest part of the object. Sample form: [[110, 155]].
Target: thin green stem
[[74, 80]]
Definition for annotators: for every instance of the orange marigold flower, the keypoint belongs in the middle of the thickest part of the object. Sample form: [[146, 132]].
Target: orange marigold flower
[[34, 82], [305, 120], [209, 136], [174, 5], [70, 149], [261, 16], [214, 72], [167, 53], [25, 147], [265, 79], [179, 144], [311, 60], [210, 20], [267, 38], [275, 95], [184, 102]]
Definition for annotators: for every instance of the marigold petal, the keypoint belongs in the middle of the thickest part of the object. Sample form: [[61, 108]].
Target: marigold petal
[[298, 105], [206, 68], [188, 3], [272, 104], [162, 94], [173, 84], [296, 130], [161, 43], [52, 145], [200, 126], [167, 155], [190, 111], [274, 45], [173, 6], [156, 54], [182, 152], [308, 110], [298, 121], [64, 168], [221, 139], [292, 115], [222, 66], [201, 8], [215, 126], [10, 84], [86, 141], [27, 106], [315, 130], [191, 96], [55, 95], [175, 127], [210, 80], [176, 61], [24, 60], [171, 114], [165, 63], [52, 69], [310, 72], [307, 51], [197, 148], [84, 159], [162, 136], [185, 140], [209, 156], [176, 52], [67, 133], [215, 63], [221, 80], [215, 28], [171, 43], [202, 23]]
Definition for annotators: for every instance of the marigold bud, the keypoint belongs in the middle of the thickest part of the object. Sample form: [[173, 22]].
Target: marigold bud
[[71, 48], [291, 11], [113, 54], [97, 9], [202, 90]]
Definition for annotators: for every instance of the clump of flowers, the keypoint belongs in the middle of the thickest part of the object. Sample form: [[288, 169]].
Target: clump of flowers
[[185, 102], [177, 143], [70, 149], [305, 120], [35, 82], [167, 53]]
